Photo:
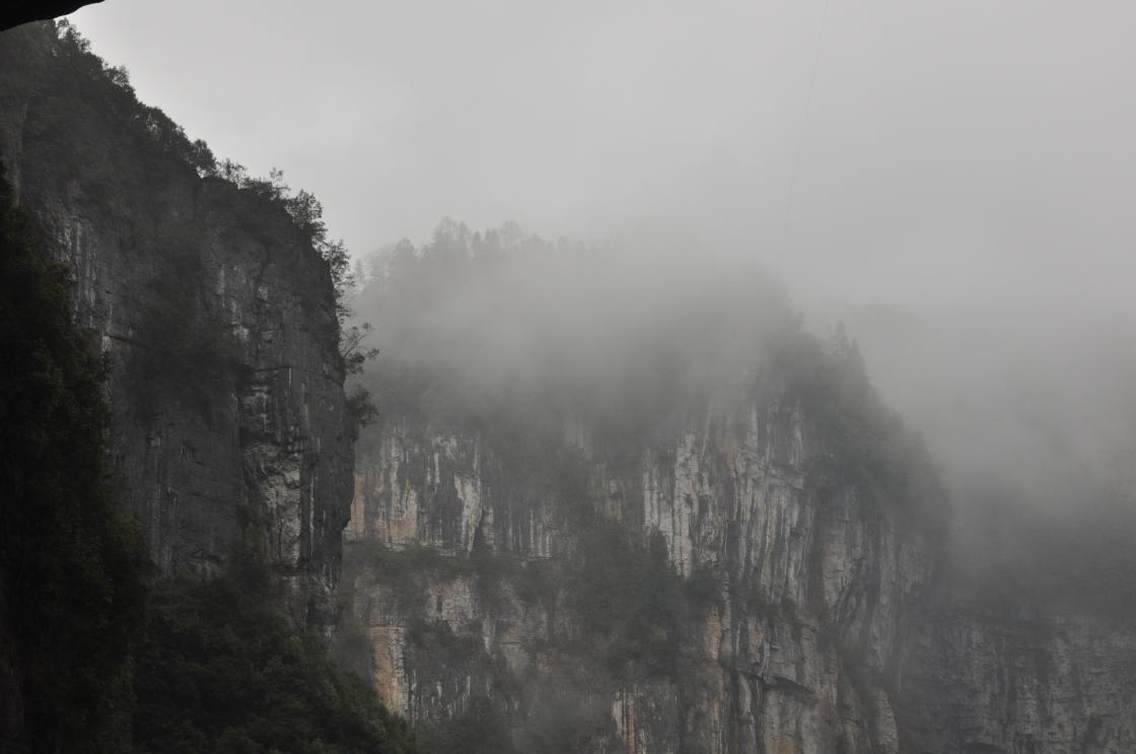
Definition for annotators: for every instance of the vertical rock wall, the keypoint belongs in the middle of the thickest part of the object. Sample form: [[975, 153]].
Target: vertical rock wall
[[809, 582], [819, 620], [217, 318], [1015, 681]]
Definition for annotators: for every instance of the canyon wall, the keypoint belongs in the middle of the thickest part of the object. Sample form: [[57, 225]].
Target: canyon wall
[[1007, 678], [763, 576], [816, 613], [786, 593], [215, 313], [769, 575]]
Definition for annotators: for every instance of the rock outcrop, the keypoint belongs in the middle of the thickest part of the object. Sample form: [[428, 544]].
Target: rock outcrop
[[763, 576], [215, 313], [1007, 679], [768, 576], [818, 617], [798, 588]]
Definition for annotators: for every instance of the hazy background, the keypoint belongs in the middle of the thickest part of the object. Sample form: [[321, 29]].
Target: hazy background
[[874, 148], [953, 180]]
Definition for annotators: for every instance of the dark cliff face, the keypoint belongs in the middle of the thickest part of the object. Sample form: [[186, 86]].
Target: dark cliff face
[[215, 312]]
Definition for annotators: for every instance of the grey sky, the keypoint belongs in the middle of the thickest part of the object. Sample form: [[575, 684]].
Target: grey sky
[[977, 150]]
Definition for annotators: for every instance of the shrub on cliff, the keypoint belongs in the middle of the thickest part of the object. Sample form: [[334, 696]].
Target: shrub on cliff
[[89, 76], [865, 443], [221, 670], [631, 602]]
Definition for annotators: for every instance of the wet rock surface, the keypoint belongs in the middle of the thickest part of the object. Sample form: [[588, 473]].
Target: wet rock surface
[[806, 588], [819, 615], [217, 319]]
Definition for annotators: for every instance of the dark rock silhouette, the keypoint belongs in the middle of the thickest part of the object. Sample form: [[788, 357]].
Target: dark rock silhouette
[[16, 12]]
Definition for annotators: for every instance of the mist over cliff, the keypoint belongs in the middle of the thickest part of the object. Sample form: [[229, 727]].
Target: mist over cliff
[[531, 395], [962, 166], [605, 484], [811, 431], [1030, 414], [500, 310], [1027, 410]]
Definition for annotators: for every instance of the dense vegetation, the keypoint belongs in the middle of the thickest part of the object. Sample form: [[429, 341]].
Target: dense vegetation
[[90, 657], [520, 342], [866, 443], [98, 654], [512, 337], [220, 670], [71, 571], [631, 611], [485, 327], [82, 84]]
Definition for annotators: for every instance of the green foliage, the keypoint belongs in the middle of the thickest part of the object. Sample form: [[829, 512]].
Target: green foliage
[[89, 658], [475, 337], [865, 442], [531, 462], [217, 668], [71, 565], [351, 644], [353, 349], [361, 410], [113, 87], [631, 601], [221, 670], [175, 345], [112, 84], [479, 729]]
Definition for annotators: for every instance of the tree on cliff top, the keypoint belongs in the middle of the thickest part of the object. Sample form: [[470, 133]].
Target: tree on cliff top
[[302, 207]]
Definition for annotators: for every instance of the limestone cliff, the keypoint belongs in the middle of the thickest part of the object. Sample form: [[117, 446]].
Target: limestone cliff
[[815, 619], [788, 584], [215, 312], [580, 527], [979, 678]]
